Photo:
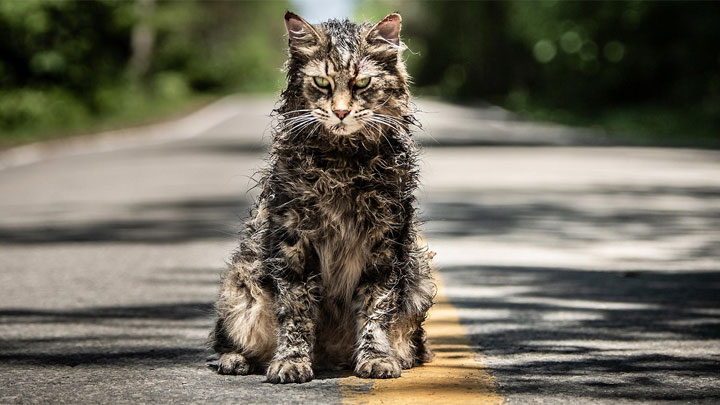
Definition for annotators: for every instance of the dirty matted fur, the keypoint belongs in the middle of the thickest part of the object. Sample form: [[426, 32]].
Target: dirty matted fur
[[329, 272]]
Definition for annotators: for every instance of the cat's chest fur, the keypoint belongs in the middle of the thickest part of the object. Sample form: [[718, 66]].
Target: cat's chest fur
[[343, 251], [349, 214]]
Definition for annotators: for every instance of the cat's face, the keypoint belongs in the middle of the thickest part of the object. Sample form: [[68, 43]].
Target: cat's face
[[350, 77]]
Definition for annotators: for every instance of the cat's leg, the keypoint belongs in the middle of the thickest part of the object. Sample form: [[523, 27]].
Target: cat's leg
[[296, 309], [244, 333], [292, 263], [375, 303], [392, 309]]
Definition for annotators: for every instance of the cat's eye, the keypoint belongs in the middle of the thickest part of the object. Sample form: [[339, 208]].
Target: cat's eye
[[362, 83], [322, 82]]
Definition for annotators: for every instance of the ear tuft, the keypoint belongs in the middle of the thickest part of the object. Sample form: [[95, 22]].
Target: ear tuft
[[387, 30]]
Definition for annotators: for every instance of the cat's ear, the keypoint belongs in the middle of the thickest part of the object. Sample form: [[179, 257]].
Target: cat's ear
[[387, 30], [301, 35]]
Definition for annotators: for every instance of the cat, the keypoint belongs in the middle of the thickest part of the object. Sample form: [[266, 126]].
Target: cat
[[329, 272]]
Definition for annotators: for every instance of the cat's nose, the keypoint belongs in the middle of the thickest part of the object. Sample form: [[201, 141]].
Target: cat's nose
[[341, 113]]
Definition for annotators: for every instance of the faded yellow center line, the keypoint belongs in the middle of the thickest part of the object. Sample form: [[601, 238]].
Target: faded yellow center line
[[454, 376]]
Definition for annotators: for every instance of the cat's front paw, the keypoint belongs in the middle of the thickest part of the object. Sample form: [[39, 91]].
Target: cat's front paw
[[286, 371], [379, 367], [233, 364]]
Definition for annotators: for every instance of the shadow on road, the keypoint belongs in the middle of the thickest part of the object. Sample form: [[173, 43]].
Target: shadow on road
[[632, 314], [158, 222], [593, 334], [646, 329], [602, 211], [119, 335]]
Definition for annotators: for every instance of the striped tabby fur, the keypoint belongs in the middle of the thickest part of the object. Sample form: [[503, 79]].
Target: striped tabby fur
[[329, 272]]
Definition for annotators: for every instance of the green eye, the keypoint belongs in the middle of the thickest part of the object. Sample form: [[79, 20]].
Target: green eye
[[362, 83], [322, 82]]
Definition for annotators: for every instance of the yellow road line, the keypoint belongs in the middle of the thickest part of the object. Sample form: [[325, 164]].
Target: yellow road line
[[454, 375]]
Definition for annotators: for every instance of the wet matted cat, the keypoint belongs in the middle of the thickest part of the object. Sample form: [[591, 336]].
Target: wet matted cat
[[329, 272]]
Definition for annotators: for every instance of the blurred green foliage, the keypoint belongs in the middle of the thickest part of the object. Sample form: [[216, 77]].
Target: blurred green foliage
[[65, 65], [647, 68]]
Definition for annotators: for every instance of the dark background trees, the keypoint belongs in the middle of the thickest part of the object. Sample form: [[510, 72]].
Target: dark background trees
[[647, 71], [640, 66], [80, 65]]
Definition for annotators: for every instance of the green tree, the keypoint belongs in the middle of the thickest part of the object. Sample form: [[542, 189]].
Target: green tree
[[71, 64]]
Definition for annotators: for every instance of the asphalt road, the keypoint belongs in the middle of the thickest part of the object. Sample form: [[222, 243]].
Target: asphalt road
[[581, 274]]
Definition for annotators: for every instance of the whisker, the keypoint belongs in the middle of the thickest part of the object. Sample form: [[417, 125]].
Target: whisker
[[389, 123], [294, 111], [312, 132]]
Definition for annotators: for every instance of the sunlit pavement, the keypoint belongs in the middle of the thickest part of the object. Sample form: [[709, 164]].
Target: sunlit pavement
[[580, 274]]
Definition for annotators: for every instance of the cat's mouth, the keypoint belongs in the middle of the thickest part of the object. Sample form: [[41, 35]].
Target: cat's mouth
[[342, 129]]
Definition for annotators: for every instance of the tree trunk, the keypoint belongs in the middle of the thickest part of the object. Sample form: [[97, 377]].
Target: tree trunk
[[143, 39]]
